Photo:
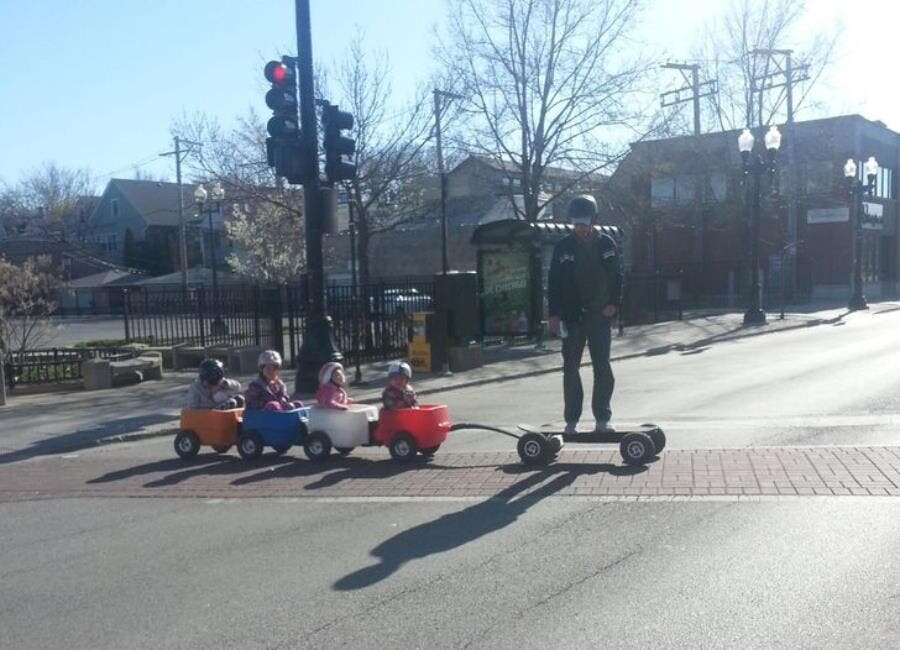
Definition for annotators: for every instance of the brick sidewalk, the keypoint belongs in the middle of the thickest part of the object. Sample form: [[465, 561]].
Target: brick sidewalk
[[777, 471]]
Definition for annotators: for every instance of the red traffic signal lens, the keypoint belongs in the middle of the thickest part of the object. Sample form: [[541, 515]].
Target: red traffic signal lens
[[277, 72]]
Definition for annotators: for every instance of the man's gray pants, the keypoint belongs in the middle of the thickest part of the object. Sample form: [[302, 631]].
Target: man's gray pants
[[595, 330]]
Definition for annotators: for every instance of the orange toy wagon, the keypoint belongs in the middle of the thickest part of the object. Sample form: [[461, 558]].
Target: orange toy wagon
[[216, 429]]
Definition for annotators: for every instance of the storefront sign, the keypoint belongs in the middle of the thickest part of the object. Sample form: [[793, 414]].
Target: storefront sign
[[828, 215]]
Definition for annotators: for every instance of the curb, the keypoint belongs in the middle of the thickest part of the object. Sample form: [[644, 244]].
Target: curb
[[171, 431]]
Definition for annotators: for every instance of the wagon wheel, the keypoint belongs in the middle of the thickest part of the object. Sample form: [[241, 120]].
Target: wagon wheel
[[187, 444]]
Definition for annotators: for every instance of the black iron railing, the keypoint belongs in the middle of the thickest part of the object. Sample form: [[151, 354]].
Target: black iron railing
[[55, 365]]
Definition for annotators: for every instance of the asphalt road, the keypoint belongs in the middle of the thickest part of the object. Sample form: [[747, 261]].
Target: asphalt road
[[835, 383], [527, 568], [519, 571]]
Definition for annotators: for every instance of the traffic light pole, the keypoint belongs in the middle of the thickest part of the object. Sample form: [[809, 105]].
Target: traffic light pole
[[318, 344]]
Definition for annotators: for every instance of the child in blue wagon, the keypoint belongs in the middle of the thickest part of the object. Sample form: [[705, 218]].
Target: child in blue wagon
[[399, 394], [331, 393], [212, 390], [267, 391]]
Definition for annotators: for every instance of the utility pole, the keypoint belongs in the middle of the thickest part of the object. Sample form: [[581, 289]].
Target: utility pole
[[318, 344], [438, 109], [182, 228], [785, 75], [695, 91], [692, 86]]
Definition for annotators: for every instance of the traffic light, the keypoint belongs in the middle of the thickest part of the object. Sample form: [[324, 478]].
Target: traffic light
[[282, 99], [284, 149], [336, 145]]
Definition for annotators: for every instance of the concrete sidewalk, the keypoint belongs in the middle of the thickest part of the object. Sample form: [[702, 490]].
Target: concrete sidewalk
[[47, 423]]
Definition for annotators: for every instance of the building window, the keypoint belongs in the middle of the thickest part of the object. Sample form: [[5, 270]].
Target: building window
[[662, 191], [884, 181], [717, 187], [114, 207], [672, 189], [685, 188], [819, 177]]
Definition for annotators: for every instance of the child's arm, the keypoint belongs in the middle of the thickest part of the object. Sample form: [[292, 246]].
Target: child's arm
[[194, 397], [253, 396]]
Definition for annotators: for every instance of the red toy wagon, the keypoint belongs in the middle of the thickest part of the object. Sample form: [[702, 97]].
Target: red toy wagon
[[407, 431]]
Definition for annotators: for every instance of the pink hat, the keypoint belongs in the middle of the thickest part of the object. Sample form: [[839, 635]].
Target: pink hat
[[327, 371]]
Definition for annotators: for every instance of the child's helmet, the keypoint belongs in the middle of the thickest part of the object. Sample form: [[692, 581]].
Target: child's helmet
[[269, 358], [326, 372], [400, 368], [211, 371]]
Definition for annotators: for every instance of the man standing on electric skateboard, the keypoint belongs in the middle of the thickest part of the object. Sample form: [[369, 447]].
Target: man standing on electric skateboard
[[584, 295]]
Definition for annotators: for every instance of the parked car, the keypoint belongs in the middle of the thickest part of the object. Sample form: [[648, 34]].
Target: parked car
[[403, 301]]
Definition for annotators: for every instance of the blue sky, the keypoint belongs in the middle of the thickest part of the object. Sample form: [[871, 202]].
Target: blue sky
[[97, 83]]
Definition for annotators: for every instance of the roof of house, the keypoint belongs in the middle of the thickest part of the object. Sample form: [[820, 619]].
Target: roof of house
[[156, 201], [104, 278], [195, 275], [509, 167], [803, 125]]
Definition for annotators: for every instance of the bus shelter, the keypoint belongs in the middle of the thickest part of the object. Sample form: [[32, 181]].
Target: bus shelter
[[513, 259]]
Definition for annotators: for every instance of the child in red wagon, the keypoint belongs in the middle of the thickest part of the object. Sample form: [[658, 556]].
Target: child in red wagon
[[399, 394], [331, 393], [212, 390], [267, 391]]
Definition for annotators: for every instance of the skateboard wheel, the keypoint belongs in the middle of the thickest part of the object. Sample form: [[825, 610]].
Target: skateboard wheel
[[343, 451], [556, 444], [317, 446], [534, 449], [221, 449], [637, 448], [658, 437], [187, 444], [250, 445]]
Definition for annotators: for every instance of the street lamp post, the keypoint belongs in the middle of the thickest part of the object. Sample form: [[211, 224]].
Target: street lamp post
[[357, 376], [757, 165], [438, 109], [200, 196], [857, 191]]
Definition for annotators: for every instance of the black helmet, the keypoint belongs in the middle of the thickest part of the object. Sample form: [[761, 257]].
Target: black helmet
[[211, 371]]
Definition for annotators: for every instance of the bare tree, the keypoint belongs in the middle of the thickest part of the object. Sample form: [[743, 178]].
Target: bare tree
[[392, 166], [45, 199], [735, 48], [268, 212], [26, 300], [548, 82]]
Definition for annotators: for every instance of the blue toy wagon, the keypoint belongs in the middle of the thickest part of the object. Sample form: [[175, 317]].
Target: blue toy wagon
[[279, 430]]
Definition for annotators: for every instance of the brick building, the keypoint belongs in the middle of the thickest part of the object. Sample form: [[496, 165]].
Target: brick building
[[688, 210]]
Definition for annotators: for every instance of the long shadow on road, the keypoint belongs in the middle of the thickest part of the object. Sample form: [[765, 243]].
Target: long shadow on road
[[86, 437], [459, 528]]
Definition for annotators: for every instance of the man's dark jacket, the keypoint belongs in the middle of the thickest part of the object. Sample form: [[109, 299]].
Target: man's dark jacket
[[563, 295]]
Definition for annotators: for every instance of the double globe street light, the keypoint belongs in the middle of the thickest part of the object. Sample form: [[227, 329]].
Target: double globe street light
[[858, 191], [757, 164], [217, 194]]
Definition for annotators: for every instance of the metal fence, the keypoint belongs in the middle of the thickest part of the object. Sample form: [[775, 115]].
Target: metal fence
[[370, 322], [233, 316], [55, 365]]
